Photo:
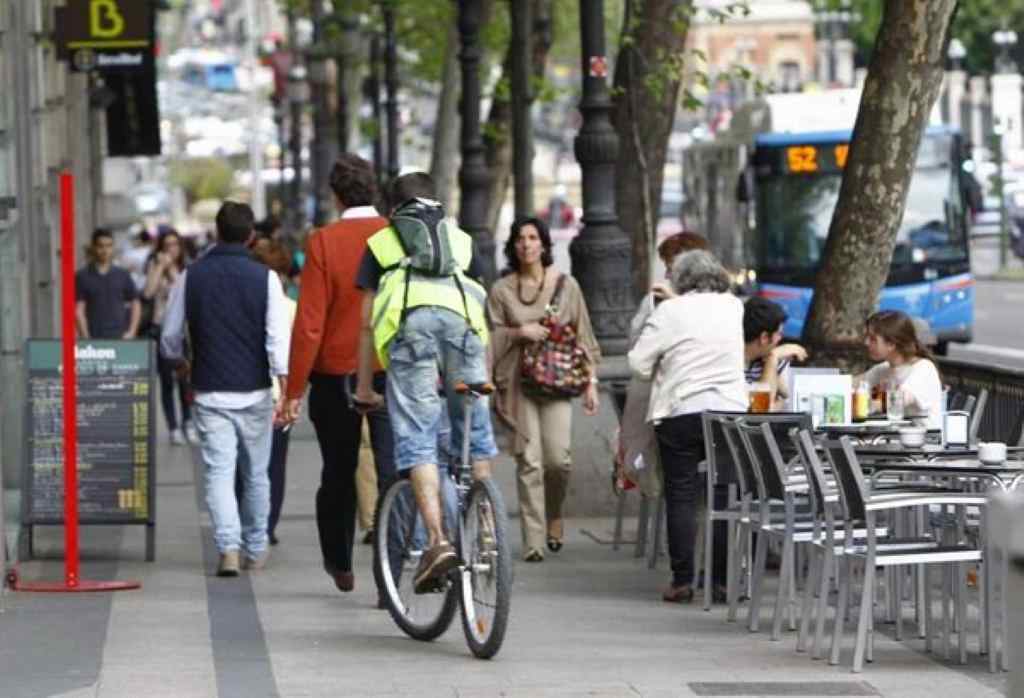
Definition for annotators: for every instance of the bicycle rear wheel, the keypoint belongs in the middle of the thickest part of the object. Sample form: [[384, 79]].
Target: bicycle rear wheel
[[486, 583], [400, 539]]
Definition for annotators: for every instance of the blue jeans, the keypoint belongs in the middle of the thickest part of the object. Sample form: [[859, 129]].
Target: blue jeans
[[242, 438], [435, 343]]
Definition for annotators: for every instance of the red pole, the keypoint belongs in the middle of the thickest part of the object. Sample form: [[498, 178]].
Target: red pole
[[67, 264]]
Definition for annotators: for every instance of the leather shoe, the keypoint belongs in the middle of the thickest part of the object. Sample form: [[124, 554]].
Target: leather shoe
[[674, 594], [345, 581]]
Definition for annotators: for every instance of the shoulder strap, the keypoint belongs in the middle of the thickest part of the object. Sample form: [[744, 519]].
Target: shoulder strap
[[557, 295]]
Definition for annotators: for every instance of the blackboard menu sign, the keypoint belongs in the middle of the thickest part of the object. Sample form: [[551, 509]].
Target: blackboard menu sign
[[115, 433]]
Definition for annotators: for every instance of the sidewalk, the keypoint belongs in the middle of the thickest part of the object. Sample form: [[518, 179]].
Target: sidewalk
[[586, 622]]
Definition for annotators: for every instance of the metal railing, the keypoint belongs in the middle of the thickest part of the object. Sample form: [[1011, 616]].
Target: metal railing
[[1003, 419]]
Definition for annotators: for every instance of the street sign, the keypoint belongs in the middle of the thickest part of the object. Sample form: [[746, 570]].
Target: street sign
[[105, 35]]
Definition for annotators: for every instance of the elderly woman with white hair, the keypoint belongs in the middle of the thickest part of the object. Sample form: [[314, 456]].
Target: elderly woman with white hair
[[691, 348]]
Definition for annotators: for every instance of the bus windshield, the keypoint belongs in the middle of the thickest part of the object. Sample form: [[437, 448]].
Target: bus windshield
[[794, 213]]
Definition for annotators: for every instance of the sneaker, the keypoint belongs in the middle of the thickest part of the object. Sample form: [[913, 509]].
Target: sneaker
[[191, 435], [177, 438], [228, 564], [256, 563], [436, 563]]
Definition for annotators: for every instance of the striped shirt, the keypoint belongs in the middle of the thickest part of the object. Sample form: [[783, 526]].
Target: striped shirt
[[755, 370]]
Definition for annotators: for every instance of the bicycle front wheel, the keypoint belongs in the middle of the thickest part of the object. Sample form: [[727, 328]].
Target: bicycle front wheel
[[486, 580], [400, 539]]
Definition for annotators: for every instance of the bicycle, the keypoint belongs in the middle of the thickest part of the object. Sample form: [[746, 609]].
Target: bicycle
[[482, 583]]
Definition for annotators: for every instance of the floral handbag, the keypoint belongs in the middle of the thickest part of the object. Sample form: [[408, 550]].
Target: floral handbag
[[556, 367]]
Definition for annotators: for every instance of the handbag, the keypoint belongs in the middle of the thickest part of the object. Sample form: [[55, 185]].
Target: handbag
[[555, 367]]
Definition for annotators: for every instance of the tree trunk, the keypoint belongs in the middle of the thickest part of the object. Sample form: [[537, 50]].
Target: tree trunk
[[903, 81], [643, 119], [444, 156], [498, 130]]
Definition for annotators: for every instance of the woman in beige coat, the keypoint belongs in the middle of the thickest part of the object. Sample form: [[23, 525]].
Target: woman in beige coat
[[542, 427]]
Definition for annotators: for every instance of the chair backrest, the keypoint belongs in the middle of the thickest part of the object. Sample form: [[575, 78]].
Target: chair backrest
[[852, 489], [804, 444], [748, 478], [765, 457], [722, 465], [968, 405], [977, 415]]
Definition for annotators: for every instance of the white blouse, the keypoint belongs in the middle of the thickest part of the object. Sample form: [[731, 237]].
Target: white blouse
[[918, 381]]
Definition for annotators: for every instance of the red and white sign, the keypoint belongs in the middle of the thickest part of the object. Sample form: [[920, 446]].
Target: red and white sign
[[598, 67]]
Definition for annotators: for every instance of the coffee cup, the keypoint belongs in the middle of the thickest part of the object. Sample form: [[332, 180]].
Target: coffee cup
[[912, 437], [992, 453]]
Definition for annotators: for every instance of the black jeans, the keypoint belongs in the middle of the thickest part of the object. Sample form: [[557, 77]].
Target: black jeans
[[168, 380], [681, 447], [278, 458], [338, 430]]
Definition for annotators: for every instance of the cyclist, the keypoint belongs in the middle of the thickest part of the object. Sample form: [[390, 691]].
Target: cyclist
[[423, 313]]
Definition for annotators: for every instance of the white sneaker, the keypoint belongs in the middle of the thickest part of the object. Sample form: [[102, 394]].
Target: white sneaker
[[191, 435], [177, 438]]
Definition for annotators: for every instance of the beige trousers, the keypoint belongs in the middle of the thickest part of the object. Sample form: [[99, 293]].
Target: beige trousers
[[543, 467], [366, 481]]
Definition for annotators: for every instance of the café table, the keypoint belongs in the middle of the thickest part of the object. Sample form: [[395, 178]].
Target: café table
[[929, 451]]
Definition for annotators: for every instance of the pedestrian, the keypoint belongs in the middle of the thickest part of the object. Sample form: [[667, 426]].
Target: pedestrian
[[423, 313], [325, 349], [691, 349], [542, 426], [162, 270], [237, 322], [107, 301], [275, 256]]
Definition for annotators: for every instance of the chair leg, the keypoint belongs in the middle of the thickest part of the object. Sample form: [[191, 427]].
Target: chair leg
[[866, 602], [961, 609], [898, 594], [989, 600], [945, 611], [659, 526], [732, 570], [810, 586], [782, 597], [757, 582], [794, 578], [642, 521], [823, 589], [620, 512], [844, 599], [708, 576], [929, 628]]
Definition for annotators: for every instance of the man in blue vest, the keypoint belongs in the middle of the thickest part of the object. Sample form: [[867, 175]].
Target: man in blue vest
[[239, 331], [425, 327]]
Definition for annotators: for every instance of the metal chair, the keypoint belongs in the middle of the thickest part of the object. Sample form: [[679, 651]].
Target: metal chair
[[861, 506]]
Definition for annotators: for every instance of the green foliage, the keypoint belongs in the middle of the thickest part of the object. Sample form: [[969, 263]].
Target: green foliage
[[203, 178]]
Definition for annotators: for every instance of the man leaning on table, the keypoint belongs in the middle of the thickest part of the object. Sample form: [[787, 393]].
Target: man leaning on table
[[765, 358]]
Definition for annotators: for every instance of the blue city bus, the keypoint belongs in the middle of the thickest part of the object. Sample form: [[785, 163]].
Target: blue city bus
[[214, 76], [796, 178]]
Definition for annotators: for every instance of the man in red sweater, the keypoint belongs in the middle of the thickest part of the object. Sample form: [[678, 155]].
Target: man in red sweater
[[324, 353]]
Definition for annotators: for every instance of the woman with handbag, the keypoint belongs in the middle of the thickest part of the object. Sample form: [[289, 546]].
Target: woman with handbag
[[544, 353]]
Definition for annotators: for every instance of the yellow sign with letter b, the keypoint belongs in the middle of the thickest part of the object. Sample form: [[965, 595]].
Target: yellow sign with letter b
[[105, 19]]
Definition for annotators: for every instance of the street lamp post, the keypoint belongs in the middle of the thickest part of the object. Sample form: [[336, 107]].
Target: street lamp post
[[298, 95], [373, 93], [1005, 40], [833, 25], [601, 252], [474, 176]]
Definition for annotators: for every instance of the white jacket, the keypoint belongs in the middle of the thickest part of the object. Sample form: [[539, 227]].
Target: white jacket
[[691, 348]]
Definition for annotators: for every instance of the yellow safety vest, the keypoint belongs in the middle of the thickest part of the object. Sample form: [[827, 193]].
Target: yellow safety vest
[[442, 292]]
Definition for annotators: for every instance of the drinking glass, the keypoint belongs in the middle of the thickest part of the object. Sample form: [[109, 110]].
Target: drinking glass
[[760, 396], [896, 404]]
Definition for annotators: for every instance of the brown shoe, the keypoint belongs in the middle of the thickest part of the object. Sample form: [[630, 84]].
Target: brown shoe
[[436, 563], [345, 581], [228, 566], [674, 594]]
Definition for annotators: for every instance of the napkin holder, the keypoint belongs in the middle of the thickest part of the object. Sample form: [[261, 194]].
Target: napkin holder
[[956, 427]]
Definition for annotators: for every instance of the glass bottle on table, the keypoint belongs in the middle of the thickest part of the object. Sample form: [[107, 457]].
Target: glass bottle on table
[[861, 402]]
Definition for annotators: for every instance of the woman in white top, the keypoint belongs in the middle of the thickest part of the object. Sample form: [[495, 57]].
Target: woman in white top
[[906, 365], [691, 347]]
